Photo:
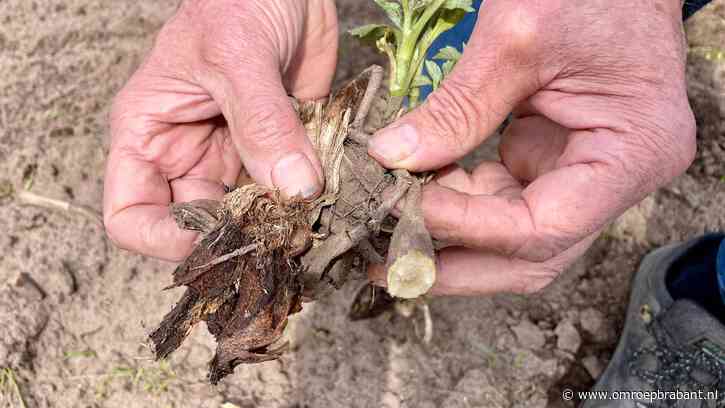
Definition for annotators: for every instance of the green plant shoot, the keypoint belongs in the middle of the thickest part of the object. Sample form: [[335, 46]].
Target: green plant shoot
[[415, 26]]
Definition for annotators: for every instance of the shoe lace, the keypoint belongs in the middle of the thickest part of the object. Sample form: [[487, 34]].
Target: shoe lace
[[675, 367]]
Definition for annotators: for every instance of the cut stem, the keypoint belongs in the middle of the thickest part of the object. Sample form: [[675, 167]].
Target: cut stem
[[411, 258]]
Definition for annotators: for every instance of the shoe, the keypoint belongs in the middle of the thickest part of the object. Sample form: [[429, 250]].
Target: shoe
[[671, 352]]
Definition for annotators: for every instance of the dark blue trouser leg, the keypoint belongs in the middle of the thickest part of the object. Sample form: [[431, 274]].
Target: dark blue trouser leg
[[699, 275], [691, 6], [721, 270]]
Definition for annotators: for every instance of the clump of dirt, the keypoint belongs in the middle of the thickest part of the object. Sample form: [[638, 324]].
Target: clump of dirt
[[22, 317]]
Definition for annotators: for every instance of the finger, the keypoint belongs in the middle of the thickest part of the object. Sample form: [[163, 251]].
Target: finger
[[310, 74], [267, 131], [219, 166], [467, 272], [136, 209], [481, 221], [220, 163], [531, 145], [188, 189], [138, 191], [243, 73], [489, 178], [486, 84], [553, 213], [464, 271]]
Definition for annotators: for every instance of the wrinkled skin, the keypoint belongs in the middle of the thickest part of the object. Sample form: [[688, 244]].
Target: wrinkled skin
[[170, 143], [601, 119]]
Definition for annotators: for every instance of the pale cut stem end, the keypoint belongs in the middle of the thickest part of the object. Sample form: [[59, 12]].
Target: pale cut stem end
[[411, 275]]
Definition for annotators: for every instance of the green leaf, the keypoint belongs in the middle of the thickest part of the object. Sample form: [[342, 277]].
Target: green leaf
[[449, 18], [421, 80], [370, 33], [448, 67], [393, 10], [420, 4], [465, 5], [448, 53], [435, 73]]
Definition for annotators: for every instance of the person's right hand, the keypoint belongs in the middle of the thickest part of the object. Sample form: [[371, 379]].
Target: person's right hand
[[213, 94]]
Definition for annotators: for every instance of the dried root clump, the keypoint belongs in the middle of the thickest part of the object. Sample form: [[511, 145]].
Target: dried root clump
[[258, 256], [242, 278]]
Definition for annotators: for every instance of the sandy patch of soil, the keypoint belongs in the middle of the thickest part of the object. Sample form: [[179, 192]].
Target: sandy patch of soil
[[74, 311]]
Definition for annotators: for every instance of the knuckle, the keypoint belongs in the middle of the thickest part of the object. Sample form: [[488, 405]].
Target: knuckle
[[447, 225], [540, 251], [660, 149], [113, 232], [522, 28]]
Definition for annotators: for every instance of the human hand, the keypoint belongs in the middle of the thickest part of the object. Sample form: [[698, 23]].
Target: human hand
[[600, 119], [211, 95]]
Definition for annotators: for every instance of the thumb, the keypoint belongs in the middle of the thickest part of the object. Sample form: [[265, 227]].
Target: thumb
[[268, 133], [484, 87]]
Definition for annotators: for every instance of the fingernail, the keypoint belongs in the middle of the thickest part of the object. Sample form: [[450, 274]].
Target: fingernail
[[395, 144], [294, 176]]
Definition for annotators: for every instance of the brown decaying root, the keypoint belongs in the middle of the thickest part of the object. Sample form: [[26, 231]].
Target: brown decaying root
[[259, 256]]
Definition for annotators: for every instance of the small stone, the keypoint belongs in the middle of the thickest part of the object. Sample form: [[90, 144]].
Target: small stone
[[593, 323], [632, 225], [390, 400], [6, 189], [62, 132], [593, 366], [527, 365], [529, 335], [568, 338], [478, 388]]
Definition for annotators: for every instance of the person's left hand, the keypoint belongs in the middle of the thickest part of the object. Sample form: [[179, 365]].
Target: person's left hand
[[601, 119]]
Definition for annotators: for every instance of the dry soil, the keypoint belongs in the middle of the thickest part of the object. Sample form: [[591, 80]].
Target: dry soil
[[75, 311]]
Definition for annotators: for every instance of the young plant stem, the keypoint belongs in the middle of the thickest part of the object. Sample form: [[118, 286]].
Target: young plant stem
[[411, 258], [405, 68]]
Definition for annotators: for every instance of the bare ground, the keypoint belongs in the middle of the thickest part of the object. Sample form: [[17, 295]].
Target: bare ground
[[74, 311]]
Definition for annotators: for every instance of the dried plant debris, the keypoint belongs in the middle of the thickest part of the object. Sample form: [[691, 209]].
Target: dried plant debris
[[370, 302], [258, 256]]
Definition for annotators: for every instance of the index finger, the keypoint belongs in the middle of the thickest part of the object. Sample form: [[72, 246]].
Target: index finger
[[136, 209], [553, 213]]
